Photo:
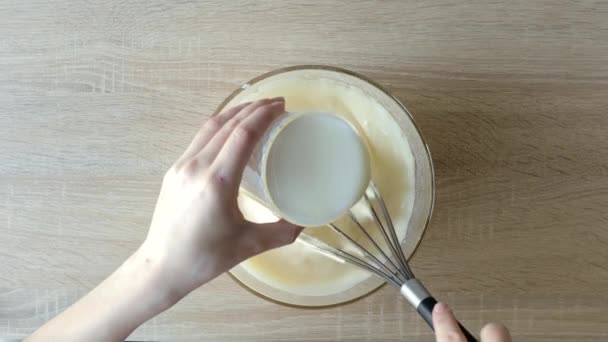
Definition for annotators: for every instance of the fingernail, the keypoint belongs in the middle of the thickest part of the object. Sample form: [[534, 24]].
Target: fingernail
[[441, 308], [278, 98]]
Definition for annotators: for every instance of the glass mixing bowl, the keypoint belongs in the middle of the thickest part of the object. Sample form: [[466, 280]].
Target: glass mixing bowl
[[424, 186]]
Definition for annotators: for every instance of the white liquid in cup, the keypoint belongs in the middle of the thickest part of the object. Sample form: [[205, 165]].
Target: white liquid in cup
[[315, 168]]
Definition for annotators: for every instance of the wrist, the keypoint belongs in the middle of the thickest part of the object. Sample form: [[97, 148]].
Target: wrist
[[149, 281], [127, 298]]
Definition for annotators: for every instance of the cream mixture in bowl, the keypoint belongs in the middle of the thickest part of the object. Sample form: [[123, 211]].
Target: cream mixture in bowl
[[399, 164]]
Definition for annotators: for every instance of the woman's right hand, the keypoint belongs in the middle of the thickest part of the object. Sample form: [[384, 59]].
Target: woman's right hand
[[447, 329]]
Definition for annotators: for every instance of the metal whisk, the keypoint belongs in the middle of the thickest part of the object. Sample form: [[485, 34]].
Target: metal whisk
[[388, 262]]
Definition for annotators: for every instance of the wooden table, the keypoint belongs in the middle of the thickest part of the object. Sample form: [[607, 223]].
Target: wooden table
[[98, 98]]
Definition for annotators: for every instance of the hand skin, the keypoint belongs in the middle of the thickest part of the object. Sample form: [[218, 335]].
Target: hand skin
[[197, 233], [447, 329]]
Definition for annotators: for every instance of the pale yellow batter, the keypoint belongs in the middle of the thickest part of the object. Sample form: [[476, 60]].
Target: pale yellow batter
[[297, 268]]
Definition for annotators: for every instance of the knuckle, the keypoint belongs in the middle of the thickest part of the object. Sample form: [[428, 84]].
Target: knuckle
[[213, 124], [183, 171], [219, 181], [233, 123], [245, 134], [190, 168]]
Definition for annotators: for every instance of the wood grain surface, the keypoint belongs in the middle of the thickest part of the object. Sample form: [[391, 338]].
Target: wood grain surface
[[97, 99]]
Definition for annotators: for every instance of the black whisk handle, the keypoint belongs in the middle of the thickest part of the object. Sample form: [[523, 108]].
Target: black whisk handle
[[425, 309], [421, 299]]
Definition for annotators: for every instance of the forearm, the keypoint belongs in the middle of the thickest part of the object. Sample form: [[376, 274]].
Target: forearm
[[130, 296]]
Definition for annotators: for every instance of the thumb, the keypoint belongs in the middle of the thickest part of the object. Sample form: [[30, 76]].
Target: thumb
[[446, 325], [494, 332], [273, 235]]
